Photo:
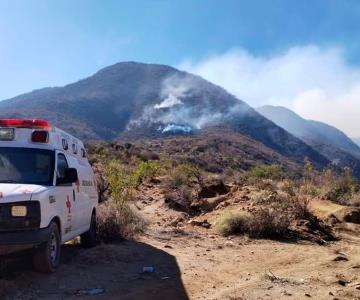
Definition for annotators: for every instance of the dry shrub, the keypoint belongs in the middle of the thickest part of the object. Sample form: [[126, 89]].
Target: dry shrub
[[233, 222], [265, 184], [270, 220], [116, 223], [265, 223], [329, 184], [287, 186], [310, 189], [344, 189], [300, 207], [263, 196], [355, 200], [183, 174]]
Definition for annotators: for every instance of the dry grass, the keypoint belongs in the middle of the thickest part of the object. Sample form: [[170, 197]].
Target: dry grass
[[265, 223], [233, 222]]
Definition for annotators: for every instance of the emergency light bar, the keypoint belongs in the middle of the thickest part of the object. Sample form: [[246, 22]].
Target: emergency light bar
[[25, 123]]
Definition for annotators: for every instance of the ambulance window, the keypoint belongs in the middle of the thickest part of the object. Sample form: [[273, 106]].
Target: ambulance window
[[83, 152], [65, 144], [26, 166], [74, 148], [61, 166]]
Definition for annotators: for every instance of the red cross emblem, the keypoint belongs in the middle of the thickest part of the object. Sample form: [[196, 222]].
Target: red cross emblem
[[25, 190], [68, 203]]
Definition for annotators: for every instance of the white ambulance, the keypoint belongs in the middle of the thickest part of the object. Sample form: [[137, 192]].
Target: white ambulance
[[48, 192]]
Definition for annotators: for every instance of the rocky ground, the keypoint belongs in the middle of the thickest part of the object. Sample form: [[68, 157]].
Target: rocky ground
[[192, 262]]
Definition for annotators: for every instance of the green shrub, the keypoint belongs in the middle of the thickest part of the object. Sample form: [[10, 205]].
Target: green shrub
[[121, 183], [146, 170], [273, 172]]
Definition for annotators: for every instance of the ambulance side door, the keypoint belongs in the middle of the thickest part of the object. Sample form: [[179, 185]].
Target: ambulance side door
[[82, 201], [64, 198]]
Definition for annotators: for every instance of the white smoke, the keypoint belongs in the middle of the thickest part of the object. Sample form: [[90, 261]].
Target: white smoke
[[318, 83], [172, 112], [170, 101], [174, 128]]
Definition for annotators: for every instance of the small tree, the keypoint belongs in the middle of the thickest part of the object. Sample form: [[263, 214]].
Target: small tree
[[308, 171], [121, 183]]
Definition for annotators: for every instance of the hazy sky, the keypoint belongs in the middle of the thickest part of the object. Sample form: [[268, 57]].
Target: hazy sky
[[302, 54]]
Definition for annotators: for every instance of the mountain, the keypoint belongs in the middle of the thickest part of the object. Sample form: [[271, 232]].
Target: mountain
[[356, 141], [326, 139], [129, 100]]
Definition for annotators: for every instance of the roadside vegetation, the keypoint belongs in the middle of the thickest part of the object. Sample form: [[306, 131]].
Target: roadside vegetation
[[279, 199]]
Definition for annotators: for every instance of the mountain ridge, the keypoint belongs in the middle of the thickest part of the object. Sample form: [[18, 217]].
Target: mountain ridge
[[136, 99]]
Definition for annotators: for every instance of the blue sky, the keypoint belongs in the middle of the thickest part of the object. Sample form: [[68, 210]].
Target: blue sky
[[51, 43]]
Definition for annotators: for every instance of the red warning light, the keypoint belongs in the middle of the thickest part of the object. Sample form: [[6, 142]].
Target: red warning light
[[26, 123], [40, 136]]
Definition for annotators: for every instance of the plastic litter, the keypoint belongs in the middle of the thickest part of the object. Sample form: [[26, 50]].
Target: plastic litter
[[90, 291], [148, 270]]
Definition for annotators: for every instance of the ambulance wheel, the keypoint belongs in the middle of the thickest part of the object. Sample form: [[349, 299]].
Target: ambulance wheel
[[46, 258], [88, 239]]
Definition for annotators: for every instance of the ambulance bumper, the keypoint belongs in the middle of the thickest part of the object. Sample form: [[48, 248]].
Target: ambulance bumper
[[26, 237]]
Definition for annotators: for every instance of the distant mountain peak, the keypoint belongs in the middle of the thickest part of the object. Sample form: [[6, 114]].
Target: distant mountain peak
[[328, 140]]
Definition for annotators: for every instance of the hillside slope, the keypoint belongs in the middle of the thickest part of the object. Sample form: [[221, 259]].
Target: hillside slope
[[145, 100], [309, 130]]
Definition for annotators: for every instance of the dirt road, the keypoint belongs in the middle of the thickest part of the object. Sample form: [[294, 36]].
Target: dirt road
[[193, 263], [195, 266]]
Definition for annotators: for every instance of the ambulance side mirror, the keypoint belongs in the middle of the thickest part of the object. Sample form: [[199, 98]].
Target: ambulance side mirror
[[71, 176]]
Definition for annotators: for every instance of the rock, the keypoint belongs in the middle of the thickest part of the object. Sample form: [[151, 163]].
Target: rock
[[222, 205], [209, 204], [353, 216], [204, 223], [344, 282], [214, 189], [176, 222], [341, 253], [229, 243], [307, 295], [348, 214], [341, 258]]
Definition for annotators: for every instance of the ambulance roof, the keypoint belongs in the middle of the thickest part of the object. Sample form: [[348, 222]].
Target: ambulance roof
[[38, 133]]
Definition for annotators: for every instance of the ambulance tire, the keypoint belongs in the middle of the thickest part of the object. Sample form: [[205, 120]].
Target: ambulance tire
[[88, 239], [46, 258]]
